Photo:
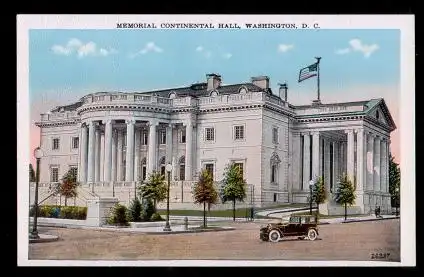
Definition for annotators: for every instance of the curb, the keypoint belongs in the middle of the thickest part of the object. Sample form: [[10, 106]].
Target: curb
[[190, 231], [373, 219], [44, 238]]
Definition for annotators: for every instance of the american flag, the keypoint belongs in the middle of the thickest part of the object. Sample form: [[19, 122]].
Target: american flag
[[308, 72]]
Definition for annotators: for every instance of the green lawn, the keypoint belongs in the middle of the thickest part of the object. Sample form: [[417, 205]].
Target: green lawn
[[240, 212]]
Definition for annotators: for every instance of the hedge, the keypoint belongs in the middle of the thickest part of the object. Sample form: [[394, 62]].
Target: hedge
[[65, 212]]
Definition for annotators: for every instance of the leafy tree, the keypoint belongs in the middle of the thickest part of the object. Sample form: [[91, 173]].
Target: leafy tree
[[31, 173], [118, 215], [318, 192], [68, 187], [394, 181], [154, 188], [234, 186], [204, 192], [345, 193], [134, 210]]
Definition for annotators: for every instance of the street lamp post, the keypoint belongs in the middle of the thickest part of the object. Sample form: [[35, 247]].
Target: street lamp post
[[168, 169], [311, 183], [38, 153]]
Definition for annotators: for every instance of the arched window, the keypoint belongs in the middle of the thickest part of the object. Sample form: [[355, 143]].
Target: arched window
[[181, 168], [172, 95], [162, 165], [143, 169], [214, 93], [275, 163]]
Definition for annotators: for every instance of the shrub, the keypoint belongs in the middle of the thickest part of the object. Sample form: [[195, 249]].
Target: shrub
[[156, 217], [134, 211], [118, 216], [148, 210], [66, 212]]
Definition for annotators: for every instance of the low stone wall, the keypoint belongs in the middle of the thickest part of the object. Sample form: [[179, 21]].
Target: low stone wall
[[58, 222]]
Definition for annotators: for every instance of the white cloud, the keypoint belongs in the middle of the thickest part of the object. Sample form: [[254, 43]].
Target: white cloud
[[149, 47], [343, 51], [358, 46], [199, 48], [285, 47], [76, 46], [227, 55]]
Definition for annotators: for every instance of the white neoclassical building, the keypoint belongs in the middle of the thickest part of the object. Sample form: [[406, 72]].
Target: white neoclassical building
[[114, 139]]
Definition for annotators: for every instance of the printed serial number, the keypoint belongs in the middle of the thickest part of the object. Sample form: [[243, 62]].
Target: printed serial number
[[379, 256]]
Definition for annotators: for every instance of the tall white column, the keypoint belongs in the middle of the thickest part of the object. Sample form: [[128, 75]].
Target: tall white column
[[327, 164], [119, 168], [189, 148], [342, 164], [377, 149], [102, 156], [137, 155], [97, 156], [114, 155], [169, 129], [129, 165], [91, 151], [387, 164], [297, 161], [315, 155], [360, 180], [82, 168], [151, 157], [383, 165], [350, 154], [306, 160], [107, 151], [370, 162], [336, 174]]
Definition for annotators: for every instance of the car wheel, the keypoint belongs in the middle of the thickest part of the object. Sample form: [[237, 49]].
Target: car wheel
[[312, 234], [274, 236]]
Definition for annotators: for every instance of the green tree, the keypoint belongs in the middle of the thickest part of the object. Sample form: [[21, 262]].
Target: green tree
[[68, 187], [394, 181], [154, 188], [204, 192], [345, 193], [234, 186], [31, 173], [134, 210], [318, 192]]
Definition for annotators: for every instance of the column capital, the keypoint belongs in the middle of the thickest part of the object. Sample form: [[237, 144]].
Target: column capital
[[370, 135], [348, 131], [84, 125], [93, 123], [305, 133], [107, 121], [152, 122], [359, 130], [130, 121], [315, 133], [187, 123]]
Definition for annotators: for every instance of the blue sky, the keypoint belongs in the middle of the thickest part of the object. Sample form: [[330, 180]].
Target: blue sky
[[173, 58]]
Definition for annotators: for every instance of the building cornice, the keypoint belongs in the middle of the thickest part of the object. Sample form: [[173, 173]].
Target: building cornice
[[68, 122], [123, 107]]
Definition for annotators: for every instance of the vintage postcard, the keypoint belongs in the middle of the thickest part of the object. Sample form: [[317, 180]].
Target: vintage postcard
[[216, 140]]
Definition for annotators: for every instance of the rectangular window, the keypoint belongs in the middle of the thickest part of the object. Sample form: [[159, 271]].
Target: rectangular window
[[209, 167], [144, 172], [75, 142], [162, 137], [275, 197], [182, 172], [183, 136], [240, 165], [274, 135], [55, 144], [210, 134], [273, 173], [239, 132], [162, 170], [54, 174], [74, 170], [144, 140]]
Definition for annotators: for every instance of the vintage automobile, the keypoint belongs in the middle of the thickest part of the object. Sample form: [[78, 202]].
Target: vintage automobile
[[303, 226]]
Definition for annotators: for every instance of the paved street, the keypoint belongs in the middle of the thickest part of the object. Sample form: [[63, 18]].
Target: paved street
[[352, 241]]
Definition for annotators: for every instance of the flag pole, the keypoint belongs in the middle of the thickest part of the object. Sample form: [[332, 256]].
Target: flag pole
[[318, 92]]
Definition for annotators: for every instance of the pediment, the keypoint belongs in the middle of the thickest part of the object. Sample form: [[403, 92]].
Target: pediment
[[379, 112]]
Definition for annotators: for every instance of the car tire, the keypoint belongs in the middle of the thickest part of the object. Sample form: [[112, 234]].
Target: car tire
[[312, 234], [274, 236]]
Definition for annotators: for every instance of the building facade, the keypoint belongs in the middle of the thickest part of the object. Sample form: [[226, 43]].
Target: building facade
[[114, 139]]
